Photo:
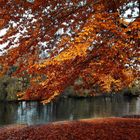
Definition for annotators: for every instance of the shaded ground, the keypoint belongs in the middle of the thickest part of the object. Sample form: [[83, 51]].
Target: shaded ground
[[98, 129]]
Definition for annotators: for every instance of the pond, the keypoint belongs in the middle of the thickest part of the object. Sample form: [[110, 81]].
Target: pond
[[67, 109]]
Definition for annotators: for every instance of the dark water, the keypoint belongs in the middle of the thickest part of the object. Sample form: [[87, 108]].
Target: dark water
[[67, 109]]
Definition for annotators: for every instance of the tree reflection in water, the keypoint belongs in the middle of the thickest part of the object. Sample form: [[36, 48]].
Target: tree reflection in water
[[67, 109]]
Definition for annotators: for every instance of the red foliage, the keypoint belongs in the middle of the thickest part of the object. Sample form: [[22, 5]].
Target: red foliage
[[59, 43], [102, 129]]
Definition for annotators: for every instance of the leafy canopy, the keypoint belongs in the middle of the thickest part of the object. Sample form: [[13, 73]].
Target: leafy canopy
[[59, 42]]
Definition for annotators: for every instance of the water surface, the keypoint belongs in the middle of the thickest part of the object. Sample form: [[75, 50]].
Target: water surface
[[67, 109]]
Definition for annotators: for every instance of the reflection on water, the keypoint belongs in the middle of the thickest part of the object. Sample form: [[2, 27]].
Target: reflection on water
[[67, 109]]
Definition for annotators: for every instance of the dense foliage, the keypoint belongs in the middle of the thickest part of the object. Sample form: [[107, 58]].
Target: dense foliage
[[59, 42]]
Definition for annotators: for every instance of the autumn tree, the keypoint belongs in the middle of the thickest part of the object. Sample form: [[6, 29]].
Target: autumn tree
[[57, 43]]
